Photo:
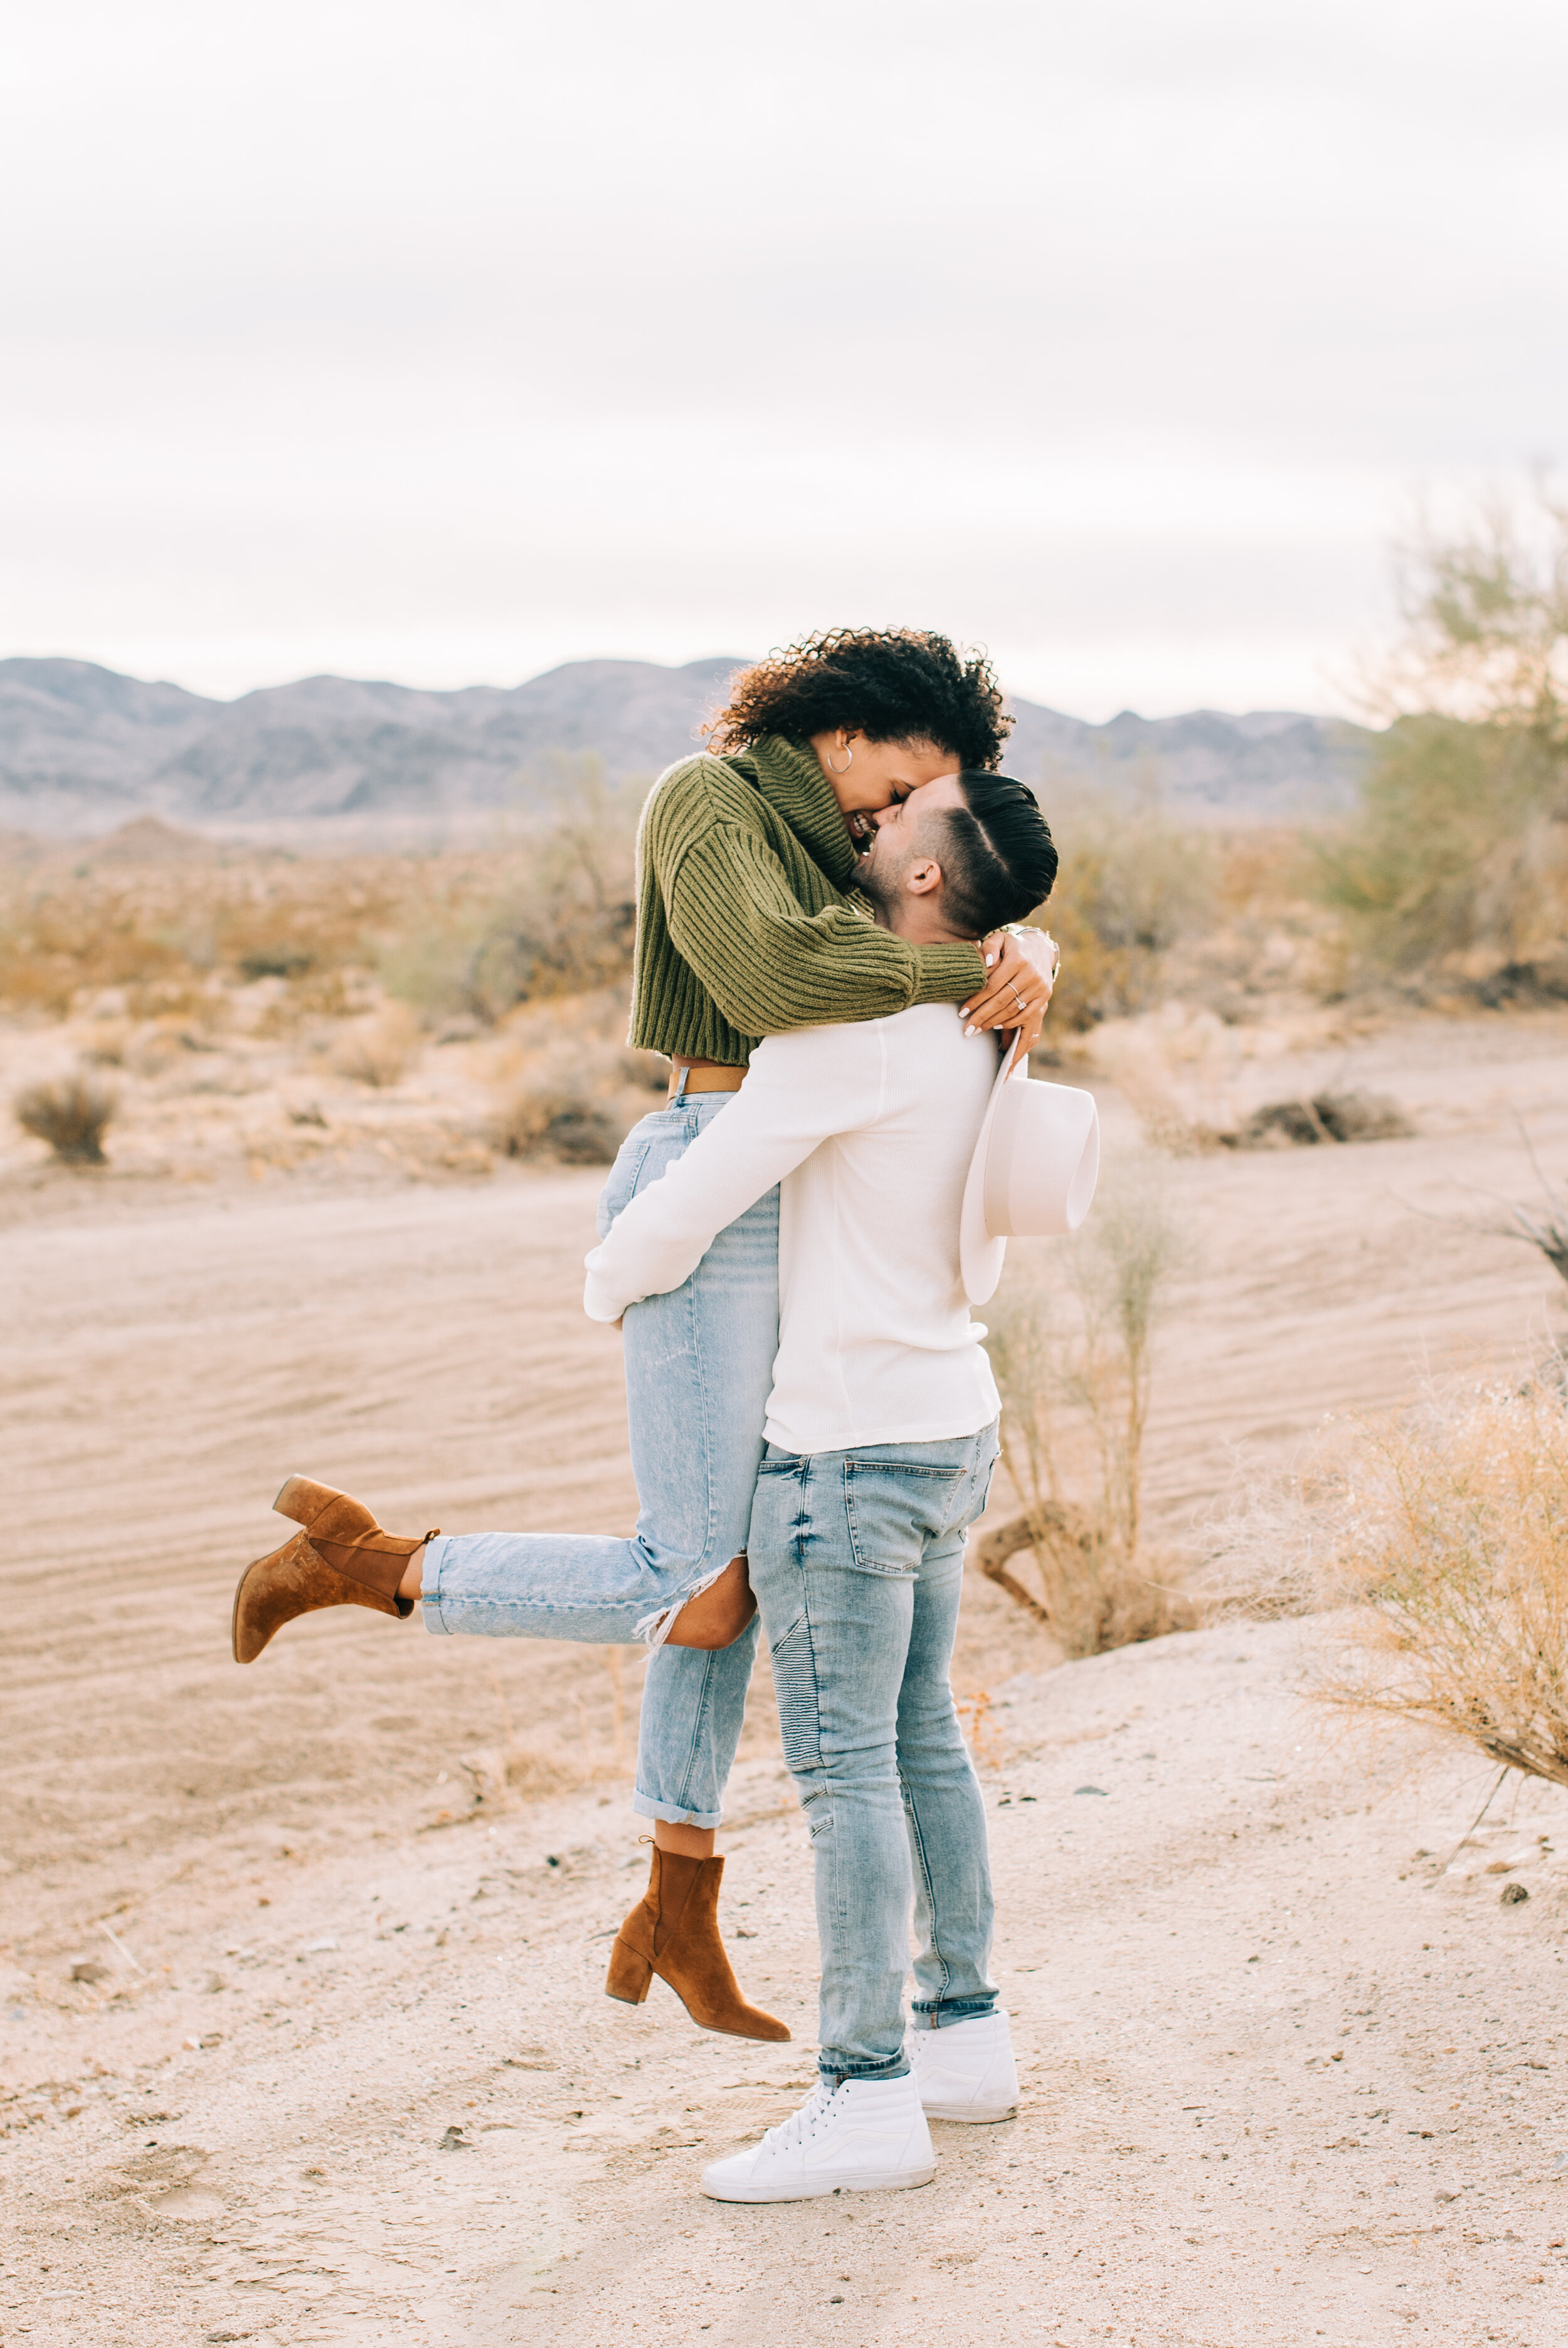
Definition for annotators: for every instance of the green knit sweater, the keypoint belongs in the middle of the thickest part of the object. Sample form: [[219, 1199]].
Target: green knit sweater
[[747, 923]]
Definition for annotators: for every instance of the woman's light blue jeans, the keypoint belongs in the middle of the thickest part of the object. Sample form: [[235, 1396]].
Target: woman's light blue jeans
[[700, 1364], [857, 1560]]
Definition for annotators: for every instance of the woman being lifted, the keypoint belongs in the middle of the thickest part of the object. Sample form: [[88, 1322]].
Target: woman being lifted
[[748, 925]]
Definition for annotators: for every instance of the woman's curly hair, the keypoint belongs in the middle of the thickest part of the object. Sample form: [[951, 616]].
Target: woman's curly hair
[[893, 684]]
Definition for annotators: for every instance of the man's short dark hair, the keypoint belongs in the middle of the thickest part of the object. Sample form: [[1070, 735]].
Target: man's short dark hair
[[997, 857]]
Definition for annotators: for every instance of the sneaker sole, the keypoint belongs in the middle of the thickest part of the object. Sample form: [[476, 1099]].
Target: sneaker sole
[[890, 2184], [968, 2112]]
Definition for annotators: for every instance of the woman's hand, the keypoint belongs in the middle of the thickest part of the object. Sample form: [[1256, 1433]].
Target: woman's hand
[[1021, 973]]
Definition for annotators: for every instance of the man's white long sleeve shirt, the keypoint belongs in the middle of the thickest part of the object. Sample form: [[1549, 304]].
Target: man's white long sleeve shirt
[[869, 1129]]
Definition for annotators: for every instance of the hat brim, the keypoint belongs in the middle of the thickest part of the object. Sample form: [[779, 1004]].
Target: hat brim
[[980, 1256]]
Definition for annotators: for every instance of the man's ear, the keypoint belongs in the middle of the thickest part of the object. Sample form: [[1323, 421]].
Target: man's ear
[[923, 877]]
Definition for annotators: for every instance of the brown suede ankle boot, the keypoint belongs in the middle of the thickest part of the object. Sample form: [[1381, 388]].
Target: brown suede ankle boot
[[342, 1559], [672, 1931]]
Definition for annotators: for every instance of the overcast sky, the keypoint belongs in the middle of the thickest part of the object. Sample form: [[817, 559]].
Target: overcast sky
[[442, 340]]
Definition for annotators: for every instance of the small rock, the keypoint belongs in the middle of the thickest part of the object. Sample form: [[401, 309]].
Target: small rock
[[1513, 1894], [1093, 1789], [454, 2141], [89, 1970], [1501, 1867]]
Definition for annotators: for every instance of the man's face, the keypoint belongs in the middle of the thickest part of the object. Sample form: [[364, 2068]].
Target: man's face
[[879, 773], [896, 851]]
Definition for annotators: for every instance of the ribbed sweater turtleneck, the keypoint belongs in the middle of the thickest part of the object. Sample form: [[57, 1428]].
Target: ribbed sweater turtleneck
[[746, 923]]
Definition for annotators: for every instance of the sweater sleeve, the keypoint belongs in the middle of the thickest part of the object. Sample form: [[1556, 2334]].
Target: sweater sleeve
[[799, 1089], [771, 966]]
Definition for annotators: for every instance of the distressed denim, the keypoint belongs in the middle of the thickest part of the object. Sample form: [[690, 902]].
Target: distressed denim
[[700, 1364], [857, 1560]]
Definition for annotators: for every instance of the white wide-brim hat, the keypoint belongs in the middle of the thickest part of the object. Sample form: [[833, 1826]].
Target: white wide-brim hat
[[1033, 1173]]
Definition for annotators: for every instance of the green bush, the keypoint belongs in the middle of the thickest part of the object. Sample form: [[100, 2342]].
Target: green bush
[[1456, 865], [1458, 855]]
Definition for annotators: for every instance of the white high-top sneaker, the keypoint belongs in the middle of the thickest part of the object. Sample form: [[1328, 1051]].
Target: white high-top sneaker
[[869, 2136], [966, 2071]]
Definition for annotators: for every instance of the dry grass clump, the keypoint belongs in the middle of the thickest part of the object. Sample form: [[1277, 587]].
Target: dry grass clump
[[1074, 1365], [1439, 1536], [1453, 1543], [71, 1114], [380, 1052], [1176, 1070]]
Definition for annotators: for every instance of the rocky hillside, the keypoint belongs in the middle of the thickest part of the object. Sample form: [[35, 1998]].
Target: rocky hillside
[[82, 749]]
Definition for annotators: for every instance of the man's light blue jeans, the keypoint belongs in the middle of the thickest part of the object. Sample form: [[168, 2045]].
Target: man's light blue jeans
[[700, 1364], [857, 1560]]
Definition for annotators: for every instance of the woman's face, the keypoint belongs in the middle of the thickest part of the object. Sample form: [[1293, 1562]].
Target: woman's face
[[866, 776]]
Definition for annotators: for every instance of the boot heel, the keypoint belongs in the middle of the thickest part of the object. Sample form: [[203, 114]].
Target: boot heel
[[300, 1499], [629, 1976]]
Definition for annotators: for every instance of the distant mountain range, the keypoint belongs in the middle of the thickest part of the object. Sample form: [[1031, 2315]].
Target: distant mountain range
[[83, 749]]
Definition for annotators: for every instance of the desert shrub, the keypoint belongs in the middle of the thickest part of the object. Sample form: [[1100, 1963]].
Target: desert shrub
[[1542, 1227], [1073, 1359], [1133, 882], [1326, 1116], [279, 960], [108, 1045], [72, 1115], [380, 1052], [546, 1121], [563, 925], [1451, 1543], [1458, 860], [562, 1085], [1457, 864]]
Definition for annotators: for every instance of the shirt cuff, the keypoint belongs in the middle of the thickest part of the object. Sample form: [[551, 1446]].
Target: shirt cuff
[[600, 1300]]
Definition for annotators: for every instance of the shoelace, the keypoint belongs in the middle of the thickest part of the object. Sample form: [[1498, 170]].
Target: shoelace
[[803, 2123]]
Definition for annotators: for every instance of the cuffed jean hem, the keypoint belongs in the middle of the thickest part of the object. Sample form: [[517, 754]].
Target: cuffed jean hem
[[430, 1580], [898, 2068], [646, 1806], [941, 2013]]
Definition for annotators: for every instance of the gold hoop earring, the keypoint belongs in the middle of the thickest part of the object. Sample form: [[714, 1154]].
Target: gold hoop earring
[[849, 762]]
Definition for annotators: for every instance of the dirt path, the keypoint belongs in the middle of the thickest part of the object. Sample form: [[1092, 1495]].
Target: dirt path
[[336, 1869]]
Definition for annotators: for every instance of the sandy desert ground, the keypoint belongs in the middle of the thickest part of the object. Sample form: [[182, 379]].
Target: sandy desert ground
[[341, 2069]]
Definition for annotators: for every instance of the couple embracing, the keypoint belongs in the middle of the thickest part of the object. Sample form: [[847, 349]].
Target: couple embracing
[[822, 954]]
